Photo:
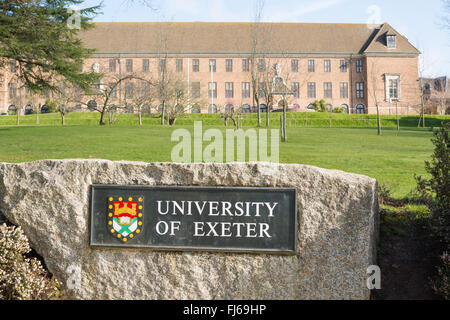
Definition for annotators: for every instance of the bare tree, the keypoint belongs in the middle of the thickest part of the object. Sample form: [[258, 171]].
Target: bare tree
[[176, 99], [17, 97], [230, 112], [164, 81], [32, 99], [256, 60], [104, 94], [141, 99], [372, 89]]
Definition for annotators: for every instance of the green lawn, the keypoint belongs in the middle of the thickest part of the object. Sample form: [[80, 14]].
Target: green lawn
[[392, 158], [294, 119]]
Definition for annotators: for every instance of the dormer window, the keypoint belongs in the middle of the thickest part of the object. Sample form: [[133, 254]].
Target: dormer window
[[391, 41]]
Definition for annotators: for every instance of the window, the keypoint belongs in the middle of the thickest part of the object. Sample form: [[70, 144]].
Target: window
[[212, 108], [145, 65], [229, 65], [196, 109], [195, 65], [345, 106], [343, 66], [179, 90], [145, 89], [195, 89], [310, 65], [245, 89], [229, 92], [360, 109], [179, 65], [128, 90], [327, 90], [12, 66], [12, 90], [245, 67], [212, 65], [229, 108], [261, 65], [327, 66], [78, 92], [360, 90], [112, 65], [113, 90], [294, 65], [344, 90], [262, 90], [391, 41], [393, 88], [162, 65], [359, 66], [129, 66], [295, 89], [212, 92], [311, 89]]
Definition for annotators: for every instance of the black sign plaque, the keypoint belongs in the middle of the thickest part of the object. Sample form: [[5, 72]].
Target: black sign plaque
[[231, 219]]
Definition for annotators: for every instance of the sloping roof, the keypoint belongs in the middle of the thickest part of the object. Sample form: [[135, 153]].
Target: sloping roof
[[234, 38], [203, 37], [378, 43]]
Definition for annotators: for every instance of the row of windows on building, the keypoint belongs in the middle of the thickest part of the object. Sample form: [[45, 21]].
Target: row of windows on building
[[295, 88], [212, 108], [393, 89], [261, 65], [246, 92]]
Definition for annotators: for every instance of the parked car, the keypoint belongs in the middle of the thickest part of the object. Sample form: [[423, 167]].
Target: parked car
[[3, 114]]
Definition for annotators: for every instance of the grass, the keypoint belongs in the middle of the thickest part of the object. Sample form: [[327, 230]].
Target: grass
[[294, 119], [392, 158]]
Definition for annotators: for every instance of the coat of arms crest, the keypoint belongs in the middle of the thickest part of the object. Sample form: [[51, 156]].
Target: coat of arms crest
[[125, 217]]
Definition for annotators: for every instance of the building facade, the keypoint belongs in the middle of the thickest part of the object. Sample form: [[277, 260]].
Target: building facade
[[436, 95], [355, 66]]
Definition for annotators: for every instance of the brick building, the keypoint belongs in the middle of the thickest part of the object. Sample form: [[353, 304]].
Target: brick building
[[436, 95], [351, 65]]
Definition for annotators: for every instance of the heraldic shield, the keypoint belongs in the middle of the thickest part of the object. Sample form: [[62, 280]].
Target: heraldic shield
[[125, 216]]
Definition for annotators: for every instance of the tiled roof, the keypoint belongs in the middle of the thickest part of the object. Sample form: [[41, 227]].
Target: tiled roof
[[378, 44], [236, 38]]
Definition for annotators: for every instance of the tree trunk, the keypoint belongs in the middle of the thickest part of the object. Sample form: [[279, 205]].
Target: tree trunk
[[259, 116], [163, 113], [267, 116], [396, 113], [63, 119], [284, 121], [102, 117], [378, 121], [423, 115], [140, 118], [37, 114], [281, 128], [18, 117]]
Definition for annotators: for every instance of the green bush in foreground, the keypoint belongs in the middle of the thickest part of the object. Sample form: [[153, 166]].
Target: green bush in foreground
[[22, 278], [442, 285], [436, 194]]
